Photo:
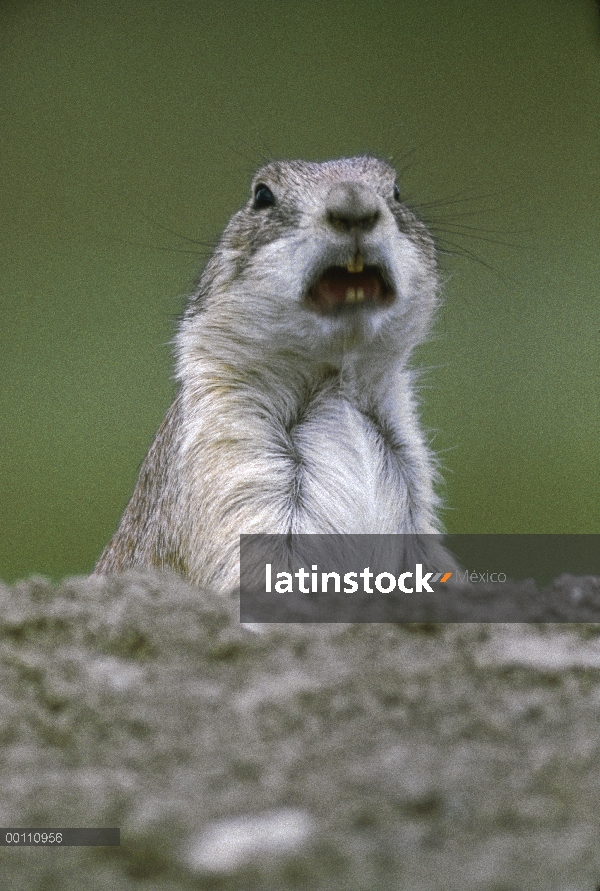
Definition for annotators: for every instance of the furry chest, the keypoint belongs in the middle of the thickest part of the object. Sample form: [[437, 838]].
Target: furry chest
[[346, 479]]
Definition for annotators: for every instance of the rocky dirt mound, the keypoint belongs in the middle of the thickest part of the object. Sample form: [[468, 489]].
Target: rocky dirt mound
[[357, 757]]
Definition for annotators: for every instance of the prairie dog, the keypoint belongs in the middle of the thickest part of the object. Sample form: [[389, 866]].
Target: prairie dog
[[296, 409]]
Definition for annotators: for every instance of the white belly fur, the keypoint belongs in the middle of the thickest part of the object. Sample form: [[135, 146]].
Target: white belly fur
[[330, 472], [346, 483]]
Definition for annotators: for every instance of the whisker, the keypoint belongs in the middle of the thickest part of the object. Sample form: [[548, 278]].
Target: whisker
[[469, 232], [174, 232], [461, 198], [451, 249], [161, 248]]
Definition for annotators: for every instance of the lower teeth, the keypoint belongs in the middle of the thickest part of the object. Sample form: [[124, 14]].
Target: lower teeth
[[355, 295]]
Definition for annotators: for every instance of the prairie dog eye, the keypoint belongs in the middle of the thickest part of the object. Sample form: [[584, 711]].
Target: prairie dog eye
[[263, 197], [396, 192]]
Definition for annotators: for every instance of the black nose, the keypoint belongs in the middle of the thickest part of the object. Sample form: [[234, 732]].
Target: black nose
[[351, 206]]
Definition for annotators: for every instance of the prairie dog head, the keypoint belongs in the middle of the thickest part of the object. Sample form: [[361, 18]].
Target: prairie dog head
[[324, 259]]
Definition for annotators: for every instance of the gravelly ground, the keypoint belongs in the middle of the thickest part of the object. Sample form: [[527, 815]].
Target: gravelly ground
[[296, 757]]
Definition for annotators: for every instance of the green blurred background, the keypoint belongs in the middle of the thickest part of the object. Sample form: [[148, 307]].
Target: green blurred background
[[129, 132]]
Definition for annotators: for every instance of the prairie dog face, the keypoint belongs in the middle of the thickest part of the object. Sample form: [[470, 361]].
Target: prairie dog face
[[323, 259]]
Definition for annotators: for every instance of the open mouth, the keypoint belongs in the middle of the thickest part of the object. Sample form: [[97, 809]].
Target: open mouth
[[348, 287]]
